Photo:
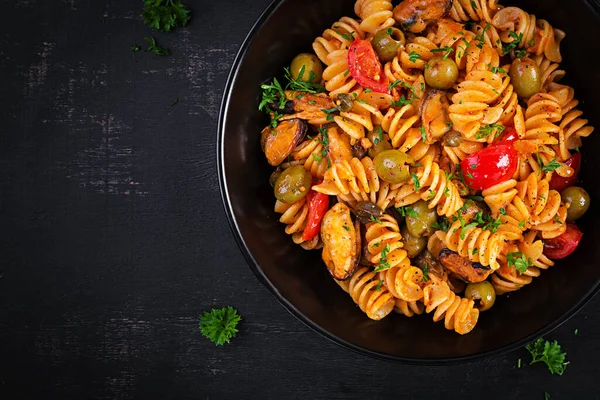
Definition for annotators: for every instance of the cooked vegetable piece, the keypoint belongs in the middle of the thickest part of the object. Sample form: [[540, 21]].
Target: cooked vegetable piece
[[579, 200], [366, 68], [489, 166], [292, 185], [560, 183], [307, 68], [318, 203], [463, 267], [341, 242], [434, 114], [339, 145], [392, 166], [387, 43], [560, 247], [278, 142], [482, 293], [415, 15], [366, 211], [441, 73], [420, 219], [525, 77], [413, 245]]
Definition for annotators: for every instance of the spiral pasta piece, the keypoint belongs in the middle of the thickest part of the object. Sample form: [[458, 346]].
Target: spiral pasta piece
[[337, 76], [435, 188], [339, 37], [373, 299], [375, 14], [476, 10], [309, 154], [459, 314], [409, 308], [508, 279], [295, 217]]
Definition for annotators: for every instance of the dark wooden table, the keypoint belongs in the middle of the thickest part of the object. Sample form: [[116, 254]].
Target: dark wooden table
[[113, 238]]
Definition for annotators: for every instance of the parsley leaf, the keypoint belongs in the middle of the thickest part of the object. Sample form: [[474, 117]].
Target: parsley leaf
[[378, 287], [165, 15], [408, 211], [152, 46], [425, 272], [383, 262], [415, 179], [135, 48], [441, 225], [485, 131], [375, 219], [551, 166], [512, 45], [519, 261], [549, 353], [219, 326], [413, 56], [447, 50], [423, 137]]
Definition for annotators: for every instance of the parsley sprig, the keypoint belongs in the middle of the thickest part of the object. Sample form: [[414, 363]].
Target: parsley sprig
[[519, 261], [219, 325], [549, 353], [165, 15]]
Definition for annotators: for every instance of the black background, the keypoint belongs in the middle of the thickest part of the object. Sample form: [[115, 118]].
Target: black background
[[113, 239]]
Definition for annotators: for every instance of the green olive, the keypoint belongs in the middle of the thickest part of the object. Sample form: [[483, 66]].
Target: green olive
[[306, 67], [441, 73], [525, 77], [452, 139], [344, 102], [391, 166], [413, 245], [292, 185], [579, 199], [387, 43], [420, 219], [482, 293], [380, 143], [366, 211]]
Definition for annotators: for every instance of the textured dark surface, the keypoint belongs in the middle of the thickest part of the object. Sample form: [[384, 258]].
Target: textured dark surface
[[113, 237]]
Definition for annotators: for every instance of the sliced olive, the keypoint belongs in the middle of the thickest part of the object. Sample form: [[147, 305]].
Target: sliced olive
[[380, 143], [482, 293], [306, 67], [441, 73], [366, 211], [413, 245], [579, 199], [525, 77], [344, 102], [453, 139], [391, 166], [387, 43], [420, 219], [292, 185]]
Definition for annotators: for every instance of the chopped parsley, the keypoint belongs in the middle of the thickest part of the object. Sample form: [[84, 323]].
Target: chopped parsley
[[425, 272], [519, 261], [441, 224], [383, 262], [486, 130], [447, 50], [423, 137], [549, 353], [551, 166], [413, 56], [379, 284], [407, 211], [512, 45], [375, 219], [416, 182]]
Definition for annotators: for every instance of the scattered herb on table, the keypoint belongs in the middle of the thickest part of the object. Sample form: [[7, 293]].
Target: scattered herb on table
[[153, 47], [165, 15], [549, 353], [219, 325]]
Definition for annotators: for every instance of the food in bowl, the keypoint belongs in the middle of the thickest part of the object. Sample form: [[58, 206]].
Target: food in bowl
[[429, 152]]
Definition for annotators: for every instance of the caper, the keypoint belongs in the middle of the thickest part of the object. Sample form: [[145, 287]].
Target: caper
[[344, 102], [525, 77], [420, 219], [366, 211], [391, 166], [452, 139], [307, 68], [292, 185], [579, 199], [441, 73], [387, 43], [379, 141], [413, 245], [482, 293]]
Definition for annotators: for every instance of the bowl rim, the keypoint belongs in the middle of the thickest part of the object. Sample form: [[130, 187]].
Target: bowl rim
[[222, 123]]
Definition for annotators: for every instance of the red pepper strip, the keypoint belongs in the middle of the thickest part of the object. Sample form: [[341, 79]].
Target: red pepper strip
[[318, 204]]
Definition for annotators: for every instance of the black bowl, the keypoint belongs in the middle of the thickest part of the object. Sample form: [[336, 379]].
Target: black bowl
[[299, 279]]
